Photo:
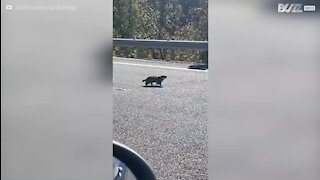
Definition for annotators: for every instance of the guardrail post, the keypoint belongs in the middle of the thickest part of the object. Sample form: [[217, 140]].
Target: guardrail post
[[172, 54], [138, 55]]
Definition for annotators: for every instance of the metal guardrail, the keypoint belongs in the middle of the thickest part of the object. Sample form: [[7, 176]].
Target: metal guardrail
[[160, 44]]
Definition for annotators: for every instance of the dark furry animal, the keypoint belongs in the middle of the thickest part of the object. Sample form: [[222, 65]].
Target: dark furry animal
[[154, 79]]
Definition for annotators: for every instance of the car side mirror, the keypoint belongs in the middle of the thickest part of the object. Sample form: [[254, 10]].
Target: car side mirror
[[128, 164]]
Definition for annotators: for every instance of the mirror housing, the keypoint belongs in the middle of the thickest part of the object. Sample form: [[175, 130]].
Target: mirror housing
[[135, 163]]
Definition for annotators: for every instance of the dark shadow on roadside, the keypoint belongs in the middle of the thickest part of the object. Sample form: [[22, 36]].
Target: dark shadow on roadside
[[152, 86], [199, 66]]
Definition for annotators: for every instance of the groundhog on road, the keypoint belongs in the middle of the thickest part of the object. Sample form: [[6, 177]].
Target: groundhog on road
[[154, 79]]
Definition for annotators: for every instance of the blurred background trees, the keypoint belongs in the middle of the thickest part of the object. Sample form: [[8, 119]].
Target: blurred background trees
[[163, 20]]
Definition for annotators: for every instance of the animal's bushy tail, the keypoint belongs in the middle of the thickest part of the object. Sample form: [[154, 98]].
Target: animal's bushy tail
[[143, 80]]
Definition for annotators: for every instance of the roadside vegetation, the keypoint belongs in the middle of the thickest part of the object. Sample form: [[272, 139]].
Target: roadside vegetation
[[163, 20]]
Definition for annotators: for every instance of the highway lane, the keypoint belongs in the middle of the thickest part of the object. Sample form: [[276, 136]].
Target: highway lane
[[167, 126]]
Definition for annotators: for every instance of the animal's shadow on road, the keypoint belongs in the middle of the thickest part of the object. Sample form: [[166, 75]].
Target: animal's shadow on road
[[152, 86]]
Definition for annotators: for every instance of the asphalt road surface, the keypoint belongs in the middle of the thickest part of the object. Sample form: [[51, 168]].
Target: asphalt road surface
[[167, 125]]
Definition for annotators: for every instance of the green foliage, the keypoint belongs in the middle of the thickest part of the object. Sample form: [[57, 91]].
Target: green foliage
[[161, 19]]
